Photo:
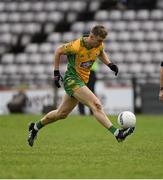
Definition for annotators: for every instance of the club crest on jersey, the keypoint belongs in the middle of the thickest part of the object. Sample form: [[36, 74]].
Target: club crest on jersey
[[87, 64]]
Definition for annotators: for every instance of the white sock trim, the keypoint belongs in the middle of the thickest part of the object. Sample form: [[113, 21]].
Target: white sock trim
[[116, 132], [35, 127]]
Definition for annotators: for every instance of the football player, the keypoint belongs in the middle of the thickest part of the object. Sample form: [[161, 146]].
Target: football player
[[81, 55]]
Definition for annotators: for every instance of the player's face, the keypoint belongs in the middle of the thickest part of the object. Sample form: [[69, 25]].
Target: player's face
[[96, 41]]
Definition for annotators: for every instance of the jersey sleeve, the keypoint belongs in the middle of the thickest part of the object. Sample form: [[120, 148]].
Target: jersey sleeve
[[71, 47]]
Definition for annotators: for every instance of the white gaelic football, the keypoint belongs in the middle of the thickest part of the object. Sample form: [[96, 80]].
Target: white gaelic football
[[126, 119]]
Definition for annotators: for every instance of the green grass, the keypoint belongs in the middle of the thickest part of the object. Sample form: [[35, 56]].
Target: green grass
[[79, 147]]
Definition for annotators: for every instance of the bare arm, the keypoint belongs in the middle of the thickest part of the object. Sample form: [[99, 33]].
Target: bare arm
[[104, 58], [57, 76], [57, 56], [161, 84], [161, 77], [63, 49]]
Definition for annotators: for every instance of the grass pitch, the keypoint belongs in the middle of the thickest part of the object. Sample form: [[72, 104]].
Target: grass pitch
[[79, 148]]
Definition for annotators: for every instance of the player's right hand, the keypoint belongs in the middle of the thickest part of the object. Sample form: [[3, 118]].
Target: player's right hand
[[57, 78]]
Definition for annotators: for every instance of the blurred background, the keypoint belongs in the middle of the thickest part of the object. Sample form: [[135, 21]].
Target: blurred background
[[30, 30]]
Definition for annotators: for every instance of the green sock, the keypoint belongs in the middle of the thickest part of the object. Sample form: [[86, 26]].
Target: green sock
[[39, 125], [112, 129]]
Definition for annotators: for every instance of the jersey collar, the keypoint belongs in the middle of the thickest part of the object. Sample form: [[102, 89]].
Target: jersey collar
[[82, 41]]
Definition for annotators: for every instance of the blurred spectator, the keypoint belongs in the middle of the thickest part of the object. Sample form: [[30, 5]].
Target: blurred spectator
[[111, 4], [130, 4], [141, 4], [161, 82], [18, 102]]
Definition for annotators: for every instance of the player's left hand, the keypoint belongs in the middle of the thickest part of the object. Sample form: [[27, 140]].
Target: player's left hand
[[114, 68]]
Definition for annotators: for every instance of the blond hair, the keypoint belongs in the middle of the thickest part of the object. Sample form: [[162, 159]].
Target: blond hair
[[99, 30]]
